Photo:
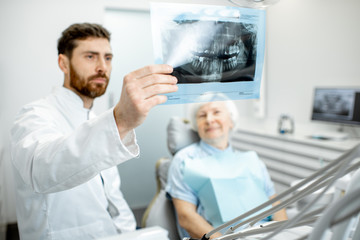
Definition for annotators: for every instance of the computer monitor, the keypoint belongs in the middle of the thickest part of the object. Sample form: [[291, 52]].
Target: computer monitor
[[337, 105]]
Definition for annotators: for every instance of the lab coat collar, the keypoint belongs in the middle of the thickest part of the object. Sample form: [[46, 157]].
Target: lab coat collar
[[71, 101], [70, 96]]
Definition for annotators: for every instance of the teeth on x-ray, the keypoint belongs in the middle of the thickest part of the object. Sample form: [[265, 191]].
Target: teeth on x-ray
[[217, 57]]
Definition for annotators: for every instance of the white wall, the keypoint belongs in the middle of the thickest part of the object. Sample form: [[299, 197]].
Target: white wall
[[309, 43], [28, 65]]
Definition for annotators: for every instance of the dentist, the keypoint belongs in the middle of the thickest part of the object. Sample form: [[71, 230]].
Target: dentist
[[65, 157]]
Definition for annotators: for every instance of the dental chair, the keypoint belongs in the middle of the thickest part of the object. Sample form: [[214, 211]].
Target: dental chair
[[160, 211], [313, 225]]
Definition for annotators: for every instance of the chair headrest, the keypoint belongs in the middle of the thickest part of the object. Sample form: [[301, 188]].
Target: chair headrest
[[180, 134]]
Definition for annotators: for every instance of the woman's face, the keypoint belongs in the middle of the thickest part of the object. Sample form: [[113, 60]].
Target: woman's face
[[214, 124]]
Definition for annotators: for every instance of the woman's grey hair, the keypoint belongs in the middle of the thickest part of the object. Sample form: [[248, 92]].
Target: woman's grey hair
[[212, 97]]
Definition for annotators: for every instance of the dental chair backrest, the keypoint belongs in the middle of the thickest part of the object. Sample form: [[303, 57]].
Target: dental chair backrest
[[160, 211], [180, 134]]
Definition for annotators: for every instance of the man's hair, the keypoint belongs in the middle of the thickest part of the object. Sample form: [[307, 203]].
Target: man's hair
[[79, 31]]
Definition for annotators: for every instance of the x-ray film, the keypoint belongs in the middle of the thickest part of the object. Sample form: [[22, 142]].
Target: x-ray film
[[211, 48]]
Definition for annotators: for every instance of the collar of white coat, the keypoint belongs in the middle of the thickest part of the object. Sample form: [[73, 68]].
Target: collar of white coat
[[72, 101], [70, 95]]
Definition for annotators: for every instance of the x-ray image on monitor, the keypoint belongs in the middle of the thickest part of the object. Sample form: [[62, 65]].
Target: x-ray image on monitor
[[211, 48], [334, 103]]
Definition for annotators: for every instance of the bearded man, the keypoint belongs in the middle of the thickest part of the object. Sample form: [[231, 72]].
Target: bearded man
[[65, 158]]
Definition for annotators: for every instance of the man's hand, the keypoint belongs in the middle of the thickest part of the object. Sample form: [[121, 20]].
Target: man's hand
[[140, 93]]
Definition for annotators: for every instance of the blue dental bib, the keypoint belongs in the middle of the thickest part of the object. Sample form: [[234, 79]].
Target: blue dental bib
[[227, 184]]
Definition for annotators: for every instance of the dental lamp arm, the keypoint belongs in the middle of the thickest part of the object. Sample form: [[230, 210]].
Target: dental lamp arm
[[341, 170], [318, 184]]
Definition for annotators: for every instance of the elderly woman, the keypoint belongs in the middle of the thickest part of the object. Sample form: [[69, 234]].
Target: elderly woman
[[209, 182]]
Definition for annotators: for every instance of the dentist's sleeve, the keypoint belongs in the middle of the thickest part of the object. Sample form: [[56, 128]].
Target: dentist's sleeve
[[49, 161]]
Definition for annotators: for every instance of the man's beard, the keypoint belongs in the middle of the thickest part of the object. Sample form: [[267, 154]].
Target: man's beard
[[85, 87]]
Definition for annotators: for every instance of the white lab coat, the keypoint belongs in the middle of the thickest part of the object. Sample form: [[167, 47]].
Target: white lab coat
[[65, 170]]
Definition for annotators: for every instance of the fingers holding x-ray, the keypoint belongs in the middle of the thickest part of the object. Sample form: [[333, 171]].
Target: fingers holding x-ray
[[154, 81], [142, 90]]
